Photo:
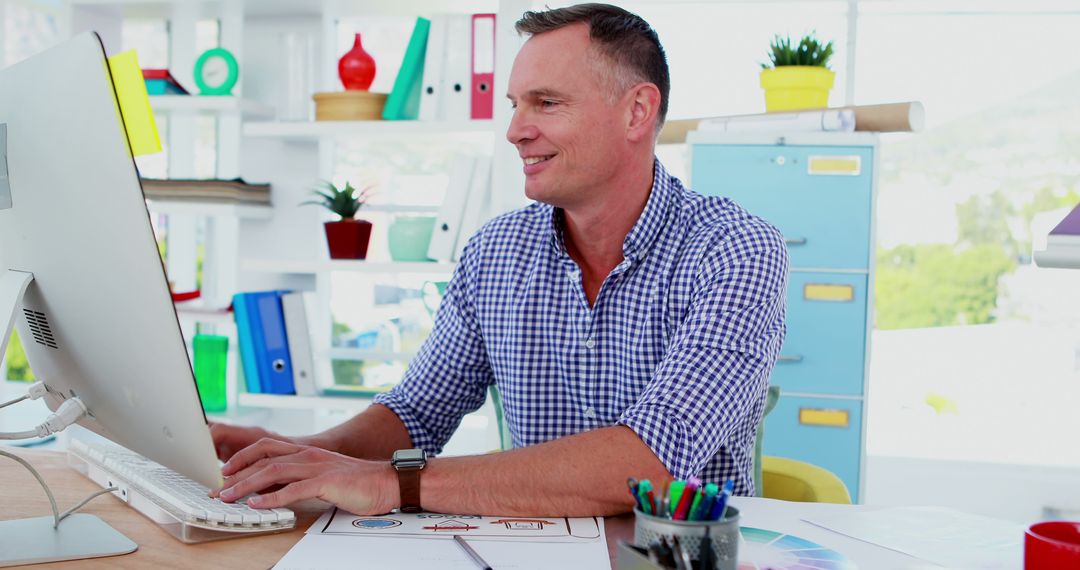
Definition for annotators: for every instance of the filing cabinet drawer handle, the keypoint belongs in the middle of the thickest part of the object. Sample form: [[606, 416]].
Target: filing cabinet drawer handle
[[789, 358], [795, 241], [824, 417]]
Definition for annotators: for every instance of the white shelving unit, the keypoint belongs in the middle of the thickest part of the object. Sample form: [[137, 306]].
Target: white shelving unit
[[251, 247], [246, 108], [210, 209]]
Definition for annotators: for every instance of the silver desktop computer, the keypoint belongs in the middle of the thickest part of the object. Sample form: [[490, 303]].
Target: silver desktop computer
[[81, 278]]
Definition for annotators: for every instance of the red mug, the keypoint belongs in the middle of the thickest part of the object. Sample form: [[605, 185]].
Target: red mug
[[1052, 545]]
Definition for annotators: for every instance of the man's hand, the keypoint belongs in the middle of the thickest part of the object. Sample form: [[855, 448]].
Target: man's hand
[[229, 439], [306, 472]]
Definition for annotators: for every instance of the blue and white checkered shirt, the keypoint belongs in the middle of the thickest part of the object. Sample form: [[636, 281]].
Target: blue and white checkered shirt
[[678, 345]]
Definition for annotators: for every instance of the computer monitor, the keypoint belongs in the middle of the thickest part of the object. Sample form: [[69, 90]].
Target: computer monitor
[[97, 321]]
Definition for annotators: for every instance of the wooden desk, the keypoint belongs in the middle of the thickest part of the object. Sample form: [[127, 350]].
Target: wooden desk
[[22, 497]]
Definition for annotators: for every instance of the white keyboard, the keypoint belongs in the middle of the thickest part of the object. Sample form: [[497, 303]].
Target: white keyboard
[[175, 502]]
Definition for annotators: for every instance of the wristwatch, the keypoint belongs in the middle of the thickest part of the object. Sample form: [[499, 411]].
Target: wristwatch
[[409, 463]]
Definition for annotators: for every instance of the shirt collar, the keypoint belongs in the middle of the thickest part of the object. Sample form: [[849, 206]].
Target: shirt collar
[[645, 230]]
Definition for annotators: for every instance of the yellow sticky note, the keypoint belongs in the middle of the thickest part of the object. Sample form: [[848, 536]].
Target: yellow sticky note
[[134, 104], [828, 292], [827, 418], [835, 165]]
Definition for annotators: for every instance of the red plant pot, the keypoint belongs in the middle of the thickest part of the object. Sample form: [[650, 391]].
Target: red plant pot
[[348, 239]]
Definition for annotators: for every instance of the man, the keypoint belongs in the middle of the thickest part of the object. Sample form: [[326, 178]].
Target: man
[[629, 324]]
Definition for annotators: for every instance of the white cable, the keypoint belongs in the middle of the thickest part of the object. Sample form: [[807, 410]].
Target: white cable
[[68, 413], [57, 517], [35, 391]]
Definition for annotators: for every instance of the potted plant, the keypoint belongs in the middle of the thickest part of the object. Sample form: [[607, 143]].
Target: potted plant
[[797, 76], [348, 237]]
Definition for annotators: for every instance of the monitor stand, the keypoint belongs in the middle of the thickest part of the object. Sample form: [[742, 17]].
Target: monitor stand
[[33, 541]]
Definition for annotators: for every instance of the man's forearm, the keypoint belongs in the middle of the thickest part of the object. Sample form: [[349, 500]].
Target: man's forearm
[[580, 475], [376, 433]]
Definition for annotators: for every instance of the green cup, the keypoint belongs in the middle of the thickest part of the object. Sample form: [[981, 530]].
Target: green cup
[[409, 237], [211, 353]]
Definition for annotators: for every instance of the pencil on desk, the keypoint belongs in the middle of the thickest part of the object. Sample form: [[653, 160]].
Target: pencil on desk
[[480, 563]]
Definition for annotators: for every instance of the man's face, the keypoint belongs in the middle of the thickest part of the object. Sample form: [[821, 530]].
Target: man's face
[[568, 134]]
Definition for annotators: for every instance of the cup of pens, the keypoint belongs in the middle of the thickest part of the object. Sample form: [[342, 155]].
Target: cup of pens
[[687, 525]]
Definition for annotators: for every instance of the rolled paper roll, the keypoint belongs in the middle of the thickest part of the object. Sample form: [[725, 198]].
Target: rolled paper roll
[[890, 117]]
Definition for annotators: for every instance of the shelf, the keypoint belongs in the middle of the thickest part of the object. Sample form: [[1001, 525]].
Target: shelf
[[361, 354], [1059, 257], [203, 315], [210, 104], [316, 130], [212, 209], [399, 209], [289, 402], [306, 267]]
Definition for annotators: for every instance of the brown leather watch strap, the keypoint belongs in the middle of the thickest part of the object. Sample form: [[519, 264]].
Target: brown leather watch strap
[[409, 481]]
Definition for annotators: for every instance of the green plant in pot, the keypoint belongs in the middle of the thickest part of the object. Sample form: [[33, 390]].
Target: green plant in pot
[[797, 75], [348, 237]]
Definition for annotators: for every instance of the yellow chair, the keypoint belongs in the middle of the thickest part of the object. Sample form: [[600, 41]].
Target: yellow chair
[[791, 480]]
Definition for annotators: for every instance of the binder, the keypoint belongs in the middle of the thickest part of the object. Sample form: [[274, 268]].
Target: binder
[[444, 237], [403, 102], [457, 69], [269, 344], [477, 204], [483, 66], [298, 332], [431, 93], [245, 340]]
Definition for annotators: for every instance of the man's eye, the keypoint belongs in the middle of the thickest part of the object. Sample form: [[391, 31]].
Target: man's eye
[[548, 103]]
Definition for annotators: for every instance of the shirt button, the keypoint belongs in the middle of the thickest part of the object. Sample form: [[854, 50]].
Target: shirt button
[[590, 344], [590, 413]]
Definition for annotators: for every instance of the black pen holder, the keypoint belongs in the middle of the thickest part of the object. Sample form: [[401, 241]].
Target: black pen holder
[[724, 533]]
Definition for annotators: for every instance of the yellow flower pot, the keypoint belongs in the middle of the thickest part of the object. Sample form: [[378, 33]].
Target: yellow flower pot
[[793, 87]]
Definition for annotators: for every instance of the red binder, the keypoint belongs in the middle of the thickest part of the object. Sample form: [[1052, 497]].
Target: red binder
[[483, 66]]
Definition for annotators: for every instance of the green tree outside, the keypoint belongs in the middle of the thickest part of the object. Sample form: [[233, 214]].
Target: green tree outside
[[18, 368]]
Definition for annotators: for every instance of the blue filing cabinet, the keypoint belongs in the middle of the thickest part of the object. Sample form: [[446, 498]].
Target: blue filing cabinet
[[818, 189]]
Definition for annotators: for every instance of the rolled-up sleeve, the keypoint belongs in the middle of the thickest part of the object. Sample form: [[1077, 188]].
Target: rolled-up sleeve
[[449, 377], [714, 375]]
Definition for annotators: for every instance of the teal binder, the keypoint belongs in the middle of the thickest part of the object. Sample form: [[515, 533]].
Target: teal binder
[[247, 352], [403, 103]]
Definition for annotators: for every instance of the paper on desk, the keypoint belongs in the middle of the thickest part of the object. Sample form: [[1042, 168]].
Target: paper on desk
[[943, 536], [544, 529], [333, 552]]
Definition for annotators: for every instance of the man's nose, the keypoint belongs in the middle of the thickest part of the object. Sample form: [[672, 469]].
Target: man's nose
[[520, 129]]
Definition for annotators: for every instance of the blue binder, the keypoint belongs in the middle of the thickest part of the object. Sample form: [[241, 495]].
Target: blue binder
[[245, 342], [270, 343]]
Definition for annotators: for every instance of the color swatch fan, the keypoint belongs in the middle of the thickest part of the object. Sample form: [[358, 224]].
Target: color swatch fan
[[767, 549]]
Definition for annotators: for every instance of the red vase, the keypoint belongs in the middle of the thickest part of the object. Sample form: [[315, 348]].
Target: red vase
[[348, 239], [356, 68]]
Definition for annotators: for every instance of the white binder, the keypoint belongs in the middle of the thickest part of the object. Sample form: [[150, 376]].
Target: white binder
[[432, 98], [448, 223], [478, 205], [457, 73], [294, 309]]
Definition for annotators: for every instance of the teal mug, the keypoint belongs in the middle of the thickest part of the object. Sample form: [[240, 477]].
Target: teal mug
[[409, 237]]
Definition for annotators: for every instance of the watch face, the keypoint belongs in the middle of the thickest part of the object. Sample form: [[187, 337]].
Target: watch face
[[409, 456], [215, 72]]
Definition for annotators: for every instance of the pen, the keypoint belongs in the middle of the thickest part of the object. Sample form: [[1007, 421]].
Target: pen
[[720, 507], [472, 553], [675, 492], [683, 508], [633, 484], [644, 489], [700, 512]]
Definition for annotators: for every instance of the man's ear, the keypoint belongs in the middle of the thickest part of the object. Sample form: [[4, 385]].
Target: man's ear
[[644, 106]]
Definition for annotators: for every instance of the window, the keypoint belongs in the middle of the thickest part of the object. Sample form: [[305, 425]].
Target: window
[[976, 355]]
